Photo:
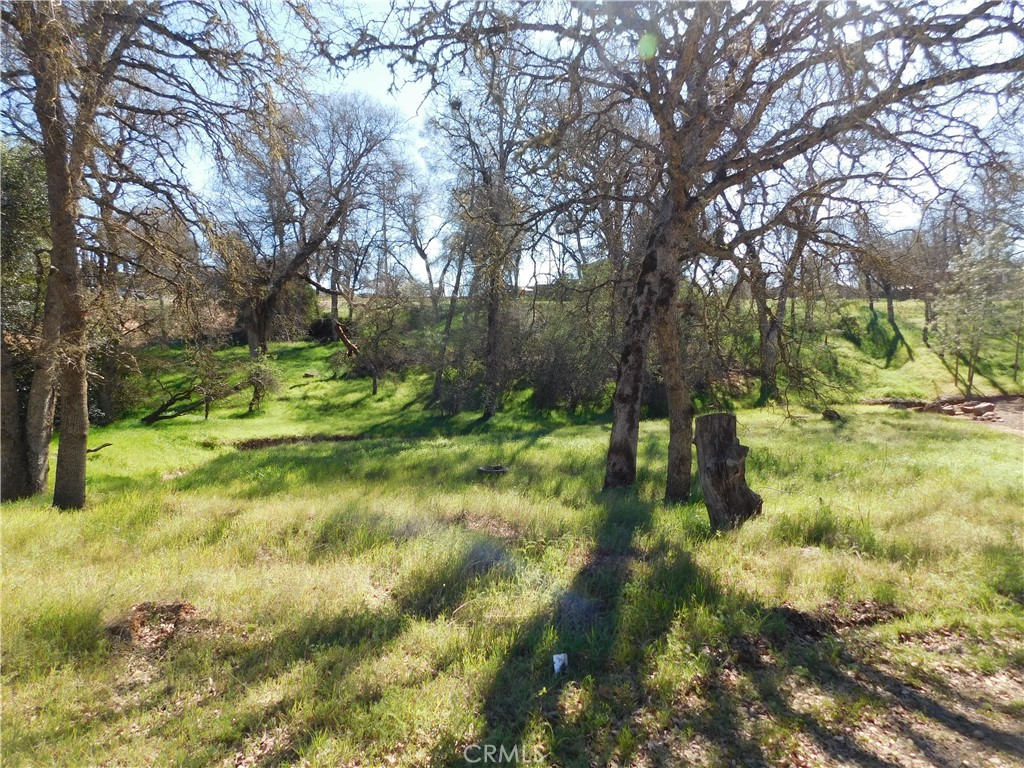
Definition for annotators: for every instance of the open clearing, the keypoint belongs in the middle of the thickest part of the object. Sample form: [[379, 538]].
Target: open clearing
[[379, 601]]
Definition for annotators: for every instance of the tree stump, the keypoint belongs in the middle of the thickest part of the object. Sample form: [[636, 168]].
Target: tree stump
[[721, 462]]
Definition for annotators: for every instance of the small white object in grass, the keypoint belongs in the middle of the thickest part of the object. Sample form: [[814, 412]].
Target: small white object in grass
[[561, 662]]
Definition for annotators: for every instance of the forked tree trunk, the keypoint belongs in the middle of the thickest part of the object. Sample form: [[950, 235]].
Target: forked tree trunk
[[971, 365], [655, 287], [680, 408], [721, 461], [64, 162]]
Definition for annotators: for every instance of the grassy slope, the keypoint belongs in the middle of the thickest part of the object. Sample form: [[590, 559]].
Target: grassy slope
[[380, 599], [886, 365]]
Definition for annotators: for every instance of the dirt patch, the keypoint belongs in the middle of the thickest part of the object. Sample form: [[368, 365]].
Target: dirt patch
[[151, 626], [1012, 411], [271, 442], [830, 618], [267, 748], [1009, 409], [773, 700], [861, 614], [490, 526]]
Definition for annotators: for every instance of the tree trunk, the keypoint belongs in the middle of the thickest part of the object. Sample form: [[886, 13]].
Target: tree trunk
[[107, 394], [680, 408], [69, 483], [769, 326], [335, 288], [972, 363], [63, 175], [257, 324], [1016, 351], [721, 462], [890, 310], [447, 333], [927, 320], [42, 397], [14, 479], [655, 287], [492, 354]]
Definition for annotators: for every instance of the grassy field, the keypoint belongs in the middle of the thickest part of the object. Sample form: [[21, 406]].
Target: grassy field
[[378, 601]]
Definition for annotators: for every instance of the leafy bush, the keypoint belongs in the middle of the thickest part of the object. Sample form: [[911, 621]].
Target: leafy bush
[[568, 364]]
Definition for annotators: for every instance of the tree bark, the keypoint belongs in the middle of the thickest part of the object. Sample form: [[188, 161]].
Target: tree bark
[[14, 479], [492, 353], [42, 397], [680, 407], [335, 288], [257, 326], [107, 393], [69, 483], [655, 287], [927, 320], [721, 462], [890, 310], [768, 325], [447, 333], [1016, 351], [64, 163]]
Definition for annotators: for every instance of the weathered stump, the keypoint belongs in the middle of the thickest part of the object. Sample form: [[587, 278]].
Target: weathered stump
[[721, 462]]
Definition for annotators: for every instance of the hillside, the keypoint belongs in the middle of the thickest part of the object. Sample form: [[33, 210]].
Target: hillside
[[374, 599]]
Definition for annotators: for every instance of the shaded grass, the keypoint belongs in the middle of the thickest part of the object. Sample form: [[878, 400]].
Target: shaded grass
[[381, 600]]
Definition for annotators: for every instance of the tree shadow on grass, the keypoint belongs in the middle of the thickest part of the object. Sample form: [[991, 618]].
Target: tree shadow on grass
[[621, 599], [888, 343], [625, 600], [296, 467], [329, 653]]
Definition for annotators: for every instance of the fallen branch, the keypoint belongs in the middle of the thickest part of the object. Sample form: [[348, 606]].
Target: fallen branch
[[164, 410], [98, 448]]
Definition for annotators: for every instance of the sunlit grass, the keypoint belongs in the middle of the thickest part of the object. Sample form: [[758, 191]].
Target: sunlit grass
[[381, 599]]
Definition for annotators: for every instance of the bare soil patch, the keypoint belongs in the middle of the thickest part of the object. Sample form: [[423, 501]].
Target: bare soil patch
[[490, 526], [265, 749], [1009, 408], [151, 626], [819, 693]]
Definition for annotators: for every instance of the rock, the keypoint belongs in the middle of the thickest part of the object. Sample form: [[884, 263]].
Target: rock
[[831, 415], [982, 408], [947, 410], [310, 374]]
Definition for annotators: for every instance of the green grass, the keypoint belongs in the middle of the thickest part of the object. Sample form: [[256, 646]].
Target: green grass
[[379, 600], [895, 362]]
